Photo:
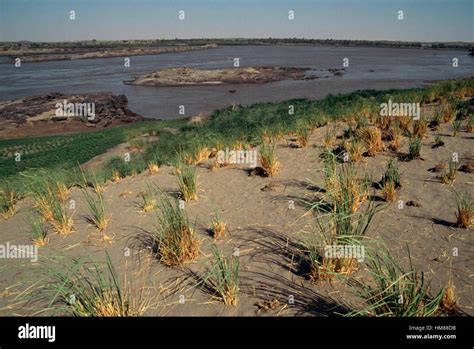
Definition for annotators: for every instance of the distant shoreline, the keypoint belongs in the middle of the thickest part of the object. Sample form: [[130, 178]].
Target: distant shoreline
[[41, 55], [32, 52]]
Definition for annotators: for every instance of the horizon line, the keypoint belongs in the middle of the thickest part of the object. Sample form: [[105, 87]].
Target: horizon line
[[247, 38]]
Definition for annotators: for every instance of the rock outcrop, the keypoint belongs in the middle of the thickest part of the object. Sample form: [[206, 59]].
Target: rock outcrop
[[185, 76], [58, 113]]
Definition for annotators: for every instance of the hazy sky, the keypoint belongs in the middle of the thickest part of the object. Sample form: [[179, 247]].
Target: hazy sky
[[424, 20]]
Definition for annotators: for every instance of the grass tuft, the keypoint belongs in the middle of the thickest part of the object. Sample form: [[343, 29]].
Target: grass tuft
[[175, 238], [268, 159], [89, 289], [372, 138], [8, 200], [218, 226], [414, 148], [465, 210], [187, 181], [96, 205], [222, 278], [391, 181], [39, 231], [450, 173], [394, 291]]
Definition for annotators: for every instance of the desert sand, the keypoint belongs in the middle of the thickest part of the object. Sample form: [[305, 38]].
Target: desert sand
[[266, 232]]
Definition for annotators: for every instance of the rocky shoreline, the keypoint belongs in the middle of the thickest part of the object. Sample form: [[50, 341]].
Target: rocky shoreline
[[55, 112], [33, 56], [185, 76]]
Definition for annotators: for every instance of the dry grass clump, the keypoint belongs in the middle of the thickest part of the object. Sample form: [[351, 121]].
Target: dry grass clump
[[323, 268], [115, 177], [395, 137], [351, 190], [372, 138], [153, 167], [470, 124], [406, 123], [200, 153], [384, 122], [449, 302], [218, 227], [62, 191], [420, 128], [354, 148], [448, 112], [344, 183], [62, 221]]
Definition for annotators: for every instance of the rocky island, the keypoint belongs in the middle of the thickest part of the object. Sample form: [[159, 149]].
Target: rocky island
[[185, 76]]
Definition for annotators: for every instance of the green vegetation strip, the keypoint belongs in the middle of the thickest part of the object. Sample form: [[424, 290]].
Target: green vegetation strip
[[225, 127]]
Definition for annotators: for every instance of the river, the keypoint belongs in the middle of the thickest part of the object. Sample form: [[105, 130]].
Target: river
[[369, 68]]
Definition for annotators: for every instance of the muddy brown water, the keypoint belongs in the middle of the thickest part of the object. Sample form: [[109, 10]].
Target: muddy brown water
[[369, 68]]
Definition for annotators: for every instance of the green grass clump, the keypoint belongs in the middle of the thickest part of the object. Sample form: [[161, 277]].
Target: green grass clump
[[302, 135], [117, 166], [187, 181], [394, 291], [465, 210], [38, 231], [450, 173], [414, 148], [174, 236], [50, 207], [391, 181], [222, 278], [269, 159], [8, 200], [147, 198], [87, 288], [96, 206], [457, 124]]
